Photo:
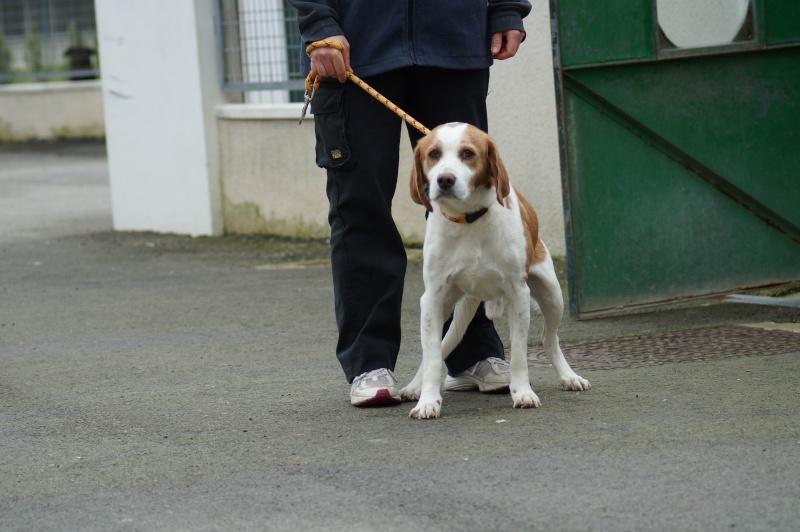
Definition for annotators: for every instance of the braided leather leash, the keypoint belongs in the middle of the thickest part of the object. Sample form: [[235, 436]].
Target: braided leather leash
[[313, 82]]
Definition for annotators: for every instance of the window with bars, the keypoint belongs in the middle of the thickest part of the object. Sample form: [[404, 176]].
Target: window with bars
[[260, 50], [47, 39]]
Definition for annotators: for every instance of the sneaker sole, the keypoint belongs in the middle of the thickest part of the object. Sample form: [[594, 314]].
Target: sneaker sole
[[381, 398]]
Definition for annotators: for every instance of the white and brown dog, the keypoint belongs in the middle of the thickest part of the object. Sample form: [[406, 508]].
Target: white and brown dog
[[481, 244]]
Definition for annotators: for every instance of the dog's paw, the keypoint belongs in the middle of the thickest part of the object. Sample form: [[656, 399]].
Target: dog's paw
[[525, 398], [409, 394], [426, 410], [575, 383]]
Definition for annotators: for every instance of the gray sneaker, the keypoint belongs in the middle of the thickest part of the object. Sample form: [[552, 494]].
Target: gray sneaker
[[491, 375], [375, 388]]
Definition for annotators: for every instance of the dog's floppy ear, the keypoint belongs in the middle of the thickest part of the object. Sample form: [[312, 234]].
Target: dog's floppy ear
[[419, 181], [502, 185]]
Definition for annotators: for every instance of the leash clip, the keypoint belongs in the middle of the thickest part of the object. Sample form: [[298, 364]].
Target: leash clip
[[306, 101]]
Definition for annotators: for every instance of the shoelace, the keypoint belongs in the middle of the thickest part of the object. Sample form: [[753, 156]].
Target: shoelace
[[480, 364], [374, 375]]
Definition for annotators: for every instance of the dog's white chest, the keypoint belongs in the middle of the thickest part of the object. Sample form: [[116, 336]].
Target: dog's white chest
[[478, 273]]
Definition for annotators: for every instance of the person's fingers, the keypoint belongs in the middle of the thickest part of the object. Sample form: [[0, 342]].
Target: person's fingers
[[510, 41], [497, 43], [329, 62]]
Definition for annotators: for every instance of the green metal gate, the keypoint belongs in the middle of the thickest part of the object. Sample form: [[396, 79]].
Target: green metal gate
[[680, 164]]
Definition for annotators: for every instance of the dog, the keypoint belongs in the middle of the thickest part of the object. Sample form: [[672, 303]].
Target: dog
[[481, 244]]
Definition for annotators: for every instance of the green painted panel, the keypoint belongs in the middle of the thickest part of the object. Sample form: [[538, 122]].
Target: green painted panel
[[738, 114], [681, 173], [645, 229], [783, 21], [607, 31]]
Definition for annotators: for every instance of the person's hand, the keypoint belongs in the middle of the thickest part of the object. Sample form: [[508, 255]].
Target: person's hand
[[506, 43], [329, 62]]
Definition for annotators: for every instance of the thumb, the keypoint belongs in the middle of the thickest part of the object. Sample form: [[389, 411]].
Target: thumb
[[497, 42]]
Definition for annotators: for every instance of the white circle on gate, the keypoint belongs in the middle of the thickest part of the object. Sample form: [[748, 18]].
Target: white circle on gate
[[701, 23]]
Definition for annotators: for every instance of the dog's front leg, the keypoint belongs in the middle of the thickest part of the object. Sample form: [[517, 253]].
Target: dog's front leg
[[431, 322], [519, 321]]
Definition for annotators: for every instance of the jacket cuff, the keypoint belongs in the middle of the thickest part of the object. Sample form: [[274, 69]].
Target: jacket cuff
[[505, 19], [320, 29]]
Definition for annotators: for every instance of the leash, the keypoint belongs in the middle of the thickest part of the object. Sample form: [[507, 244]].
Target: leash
[[313, 82]]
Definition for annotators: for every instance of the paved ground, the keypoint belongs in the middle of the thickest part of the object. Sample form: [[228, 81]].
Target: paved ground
[[157, 382]]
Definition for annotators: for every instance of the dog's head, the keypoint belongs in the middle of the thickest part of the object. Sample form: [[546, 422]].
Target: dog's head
[[458, 165]]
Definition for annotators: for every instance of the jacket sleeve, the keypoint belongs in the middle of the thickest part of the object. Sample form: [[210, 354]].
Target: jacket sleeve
[[507, 15], [318, 19]]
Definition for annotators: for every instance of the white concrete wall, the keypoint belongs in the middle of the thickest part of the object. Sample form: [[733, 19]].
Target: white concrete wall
[[161, 90], [522, 119], [270, 182], [48, 111]]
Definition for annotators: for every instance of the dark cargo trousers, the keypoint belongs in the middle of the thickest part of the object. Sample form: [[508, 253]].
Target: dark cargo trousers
[[358, 142]]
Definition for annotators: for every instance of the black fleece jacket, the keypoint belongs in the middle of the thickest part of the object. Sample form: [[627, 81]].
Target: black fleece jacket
[[390, 34]]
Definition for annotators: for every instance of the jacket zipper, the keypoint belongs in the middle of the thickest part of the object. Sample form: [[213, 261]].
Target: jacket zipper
[[411, 32]]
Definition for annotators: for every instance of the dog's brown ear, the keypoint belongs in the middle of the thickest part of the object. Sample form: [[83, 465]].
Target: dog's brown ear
[[419, 181], [502, 184]]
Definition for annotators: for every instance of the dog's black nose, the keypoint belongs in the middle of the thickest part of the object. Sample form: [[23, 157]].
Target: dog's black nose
[[446, 181]]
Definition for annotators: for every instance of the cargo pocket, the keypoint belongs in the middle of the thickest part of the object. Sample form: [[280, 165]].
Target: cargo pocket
[[329, 126]]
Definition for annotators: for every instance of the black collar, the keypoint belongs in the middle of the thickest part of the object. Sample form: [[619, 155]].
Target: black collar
[[468, 217]]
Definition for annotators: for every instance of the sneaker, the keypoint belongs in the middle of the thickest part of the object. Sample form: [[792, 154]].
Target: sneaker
[[491, 375], [375, 388]]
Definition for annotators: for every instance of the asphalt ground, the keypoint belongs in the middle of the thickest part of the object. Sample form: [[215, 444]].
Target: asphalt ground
[[160, 382]]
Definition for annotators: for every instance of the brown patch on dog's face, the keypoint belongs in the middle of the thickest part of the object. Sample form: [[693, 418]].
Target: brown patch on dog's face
[[419, 170], [489, 168], [502, 183]]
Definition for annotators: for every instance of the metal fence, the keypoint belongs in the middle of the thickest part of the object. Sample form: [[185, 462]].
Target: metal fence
[[47, 40], [259, 50], [259, 45]]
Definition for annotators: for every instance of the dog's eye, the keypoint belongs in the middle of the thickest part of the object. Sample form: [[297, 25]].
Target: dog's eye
[[467, 154], [434, 154]]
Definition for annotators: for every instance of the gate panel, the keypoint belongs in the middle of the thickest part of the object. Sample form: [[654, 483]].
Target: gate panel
[[681, 167], [783, 21], [621, 31], [738, 114]]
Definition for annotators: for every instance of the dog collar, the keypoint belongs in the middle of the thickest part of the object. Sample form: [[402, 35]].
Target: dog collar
[[466, 218]]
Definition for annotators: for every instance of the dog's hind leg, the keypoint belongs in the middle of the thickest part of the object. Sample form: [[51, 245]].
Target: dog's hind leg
[[546, 291], [462, 314], [411, 391]]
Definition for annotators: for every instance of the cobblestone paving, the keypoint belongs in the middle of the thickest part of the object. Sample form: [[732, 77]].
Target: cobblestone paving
[[728, 341]]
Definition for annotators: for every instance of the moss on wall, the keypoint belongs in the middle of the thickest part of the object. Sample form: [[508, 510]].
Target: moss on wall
[[6, 135], [243, 218], [82, 133]]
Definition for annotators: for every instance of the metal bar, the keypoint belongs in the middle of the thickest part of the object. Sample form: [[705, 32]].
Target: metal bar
[[718, 182], [729, 49], [563, 155], [221, 68], [263, 85], [632, 307]]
